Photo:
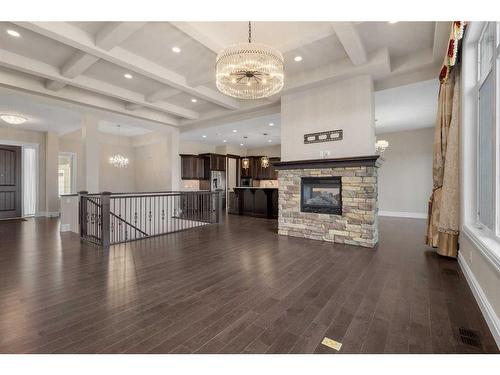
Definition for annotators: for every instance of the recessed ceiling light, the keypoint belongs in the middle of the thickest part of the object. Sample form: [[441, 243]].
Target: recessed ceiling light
[[393, 22], [270, 140], [297, 58], [13, 119], [176, 49], [194, 100], [271, 124], [234, 130], [241, 144], [204, 136], [224, 141], [13, 33], [128, 76]]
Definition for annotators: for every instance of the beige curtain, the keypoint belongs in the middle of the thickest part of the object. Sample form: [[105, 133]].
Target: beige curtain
[[443, 215]]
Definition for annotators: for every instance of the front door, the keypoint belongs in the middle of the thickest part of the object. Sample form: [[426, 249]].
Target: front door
[[10, 182]]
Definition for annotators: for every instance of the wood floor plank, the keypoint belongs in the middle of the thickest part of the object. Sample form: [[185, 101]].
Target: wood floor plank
[[235, 287]]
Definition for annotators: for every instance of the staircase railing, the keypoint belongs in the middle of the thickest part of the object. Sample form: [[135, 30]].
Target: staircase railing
[[110, 218]]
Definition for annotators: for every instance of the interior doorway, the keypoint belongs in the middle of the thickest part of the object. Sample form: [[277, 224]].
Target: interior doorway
[[10, 182]]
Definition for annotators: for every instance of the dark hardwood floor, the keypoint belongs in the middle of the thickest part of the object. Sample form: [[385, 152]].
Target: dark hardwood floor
[[236, 287]]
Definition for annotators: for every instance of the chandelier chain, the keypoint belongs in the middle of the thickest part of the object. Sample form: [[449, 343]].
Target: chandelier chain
[[249, 32]]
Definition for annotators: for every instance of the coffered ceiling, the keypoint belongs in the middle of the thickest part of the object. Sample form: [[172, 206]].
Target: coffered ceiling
[[87, 63]]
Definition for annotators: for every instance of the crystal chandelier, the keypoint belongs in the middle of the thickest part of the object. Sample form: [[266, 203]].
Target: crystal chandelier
[[380, 146], [249, 70], [118, 160]]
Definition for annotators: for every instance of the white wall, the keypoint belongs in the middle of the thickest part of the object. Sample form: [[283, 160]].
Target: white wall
[[346, 105], [152, 159], [195, 148], [405, 177], [116, 179], [270, 151]]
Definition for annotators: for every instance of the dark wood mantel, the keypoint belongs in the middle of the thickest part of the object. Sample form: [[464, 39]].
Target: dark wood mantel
[[352, 161]]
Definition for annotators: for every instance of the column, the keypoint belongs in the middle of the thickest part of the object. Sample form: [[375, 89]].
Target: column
[[52, 204], [91, 152]]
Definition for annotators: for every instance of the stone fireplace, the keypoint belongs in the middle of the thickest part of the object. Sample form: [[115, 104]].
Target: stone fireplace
[[329, 199]]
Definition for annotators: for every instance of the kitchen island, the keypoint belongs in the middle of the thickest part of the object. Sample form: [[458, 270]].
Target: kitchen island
[[254, 201]]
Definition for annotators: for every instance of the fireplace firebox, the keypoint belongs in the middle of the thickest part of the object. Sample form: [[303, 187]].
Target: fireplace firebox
[[321, 195]]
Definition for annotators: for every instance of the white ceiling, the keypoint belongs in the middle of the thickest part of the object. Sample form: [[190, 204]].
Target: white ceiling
[[84, 63], [48, 115], [252, 133], [406, 107], [41, 116]]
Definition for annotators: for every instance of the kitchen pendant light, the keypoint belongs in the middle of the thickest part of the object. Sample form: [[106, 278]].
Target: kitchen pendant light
[[249, 70], [245, 163]]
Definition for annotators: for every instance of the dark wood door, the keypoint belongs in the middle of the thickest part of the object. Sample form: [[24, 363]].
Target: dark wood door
[[10, 182]]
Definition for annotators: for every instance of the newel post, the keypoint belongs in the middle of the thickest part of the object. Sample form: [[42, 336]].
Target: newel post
[[105, 219], [82, 212]]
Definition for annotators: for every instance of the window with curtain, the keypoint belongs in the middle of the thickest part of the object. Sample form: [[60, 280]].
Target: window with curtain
[[488, 91], [66, 173]]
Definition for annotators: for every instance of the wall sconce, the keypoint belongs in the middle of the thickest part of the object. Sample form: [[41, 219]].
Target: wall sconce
[[264, 162], [380, 146], [245, 163]]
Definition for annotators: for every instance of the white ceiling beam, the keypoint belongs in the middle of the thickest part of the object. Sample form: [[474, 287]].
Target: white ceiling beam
[[54, 85], [77, 64], [351, 41], [115, 33], [72, 96], [132, 106], [108, 37], [26, 65], [76, 38], [194, 33]]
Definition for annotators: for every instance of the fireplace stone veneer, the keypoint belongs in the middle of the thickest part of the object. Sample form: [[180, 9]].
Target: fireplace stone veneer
[[357, 225]]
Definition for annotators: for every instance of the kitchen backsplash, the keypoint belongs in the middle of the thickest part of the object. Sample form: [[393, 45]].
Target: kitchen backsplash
[[265, 183]]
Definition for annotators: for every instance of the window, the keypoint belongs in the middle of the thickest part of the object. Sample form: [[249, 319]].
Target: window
[[67, 169], [488, 92]]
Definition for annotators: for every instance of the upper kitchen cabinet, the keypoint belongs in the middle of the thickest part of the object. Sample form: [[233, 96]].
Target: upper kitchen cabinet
[[217, 162], [193, 167]]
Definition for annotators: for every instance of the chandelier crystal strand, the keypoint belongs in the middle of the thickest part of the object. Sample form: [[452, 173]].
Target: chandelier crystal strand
[[118, 160], [249, 70]]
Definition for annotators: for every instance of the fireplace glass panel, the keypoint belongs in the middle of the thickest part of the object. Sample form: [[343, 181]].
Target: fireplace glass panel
[[321, 195]]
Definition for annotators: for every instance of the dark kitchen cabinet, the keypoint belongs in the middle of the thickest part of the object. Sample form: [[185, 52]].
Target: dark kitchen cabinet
[[193, 167], [257, 172], [216, 162]]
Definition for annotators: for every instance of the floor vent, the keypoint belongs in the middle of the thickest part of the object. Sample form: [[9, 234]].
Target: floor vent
[[469, 337]]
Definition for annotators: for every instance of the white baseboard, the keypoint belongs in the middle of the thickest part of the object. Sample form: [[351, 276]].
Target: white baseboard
[[410, 215], [64, 228], [48, 214], [489, 314]]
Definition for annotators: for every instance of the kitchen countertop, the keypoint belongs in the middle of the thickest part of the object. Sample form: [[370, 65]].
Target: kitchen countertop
[[256, 188]]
